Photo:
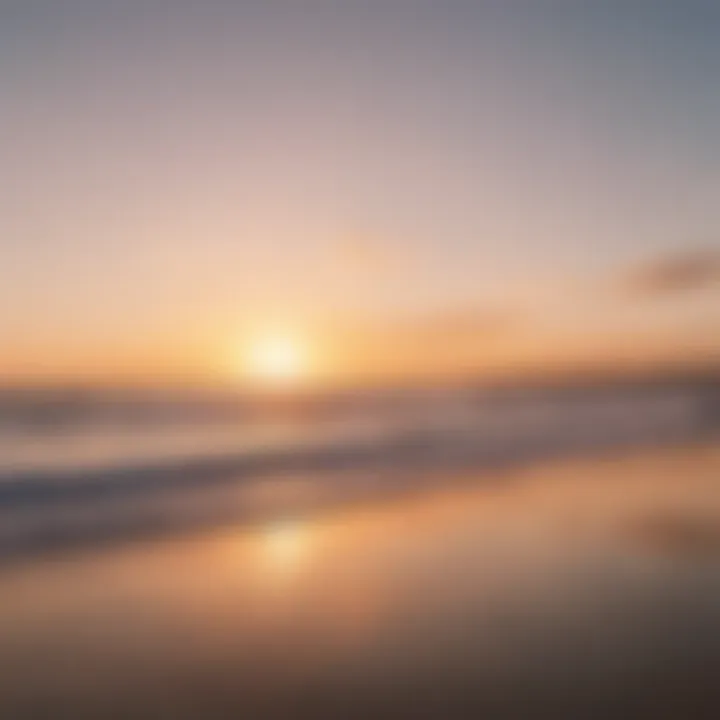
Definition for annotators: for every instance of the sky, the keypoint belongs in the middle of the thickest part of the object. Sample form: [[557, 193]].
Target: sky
[[406, 185]]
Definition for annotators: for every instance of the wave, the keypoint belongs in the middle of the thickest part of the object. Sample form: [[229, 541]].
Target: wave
[[318, 463]]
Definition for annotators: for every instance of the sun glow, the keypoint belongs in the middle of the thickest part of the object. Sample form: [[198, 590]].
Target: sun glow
[[275, 360], [285, 543]]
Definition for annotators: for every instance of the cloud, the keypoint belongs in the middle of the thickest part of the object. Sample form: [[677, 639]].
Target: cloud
[[464, 323], [677, 273], [429, 336], [366, 253]]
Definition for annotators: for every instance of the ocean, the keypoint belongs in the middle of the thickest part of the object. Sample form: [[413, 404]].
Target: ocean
[[82, 466], [423, 553]]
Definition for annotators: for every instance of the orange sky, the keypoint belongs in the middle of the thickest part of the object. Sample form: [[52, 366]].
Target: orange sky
[[439, 192]]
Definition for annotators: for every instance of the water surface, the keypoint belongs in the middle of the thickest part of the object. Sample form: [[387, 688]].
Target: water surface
[[579, 589]]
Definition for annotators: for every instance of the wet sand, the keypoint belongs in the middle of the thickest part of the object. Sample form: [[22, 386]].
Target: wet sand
[[578, 589]]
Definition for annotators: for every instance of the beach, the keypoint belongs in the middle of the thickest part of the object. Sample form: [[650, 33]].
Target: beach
[[578, 588]]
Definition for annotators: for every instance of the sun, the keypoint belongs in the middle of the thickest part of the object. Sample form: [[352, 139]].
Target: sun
[[275, 360]]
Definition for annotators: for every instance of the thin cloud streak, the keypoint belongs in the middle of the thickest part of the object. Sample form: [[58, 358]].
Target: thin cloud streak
[[678, 273]]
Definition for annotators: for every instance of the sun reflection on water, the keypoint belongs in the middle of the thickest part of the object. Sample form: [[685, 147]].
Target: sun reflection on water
[[286, 543]]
